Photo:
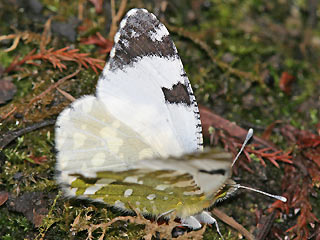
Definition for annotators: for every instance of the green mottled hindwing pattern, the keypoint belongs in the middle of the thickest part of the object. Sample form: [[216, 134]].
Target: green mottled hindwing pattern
[[153, 192]]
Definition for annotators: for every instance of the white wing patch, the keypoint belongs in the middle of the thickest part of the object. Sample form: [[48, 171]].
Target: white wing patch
[[159, 33], [136, 98]]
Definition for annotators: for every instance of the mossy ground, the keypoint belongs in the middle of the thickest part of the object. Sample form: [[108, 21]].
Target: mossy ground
[[252, 36]]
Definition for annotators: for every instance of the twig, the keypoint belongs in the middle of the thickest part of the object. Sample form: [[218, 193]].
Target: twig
[[121, 10], [8, 114], [80, 10], [26, 36], [46, 35], [53, 86], [15, 43], [66, 95], [116, 16], [231, 222], [265, 225], [8, 137]]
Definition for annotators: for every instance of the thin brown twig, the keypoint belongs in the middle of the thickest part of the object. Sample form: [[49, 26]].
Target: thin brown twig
[[9, 136], [26, 36], [80, 10], [15, 43], [121, 10], [53, 86], [116, 16], [113, 22], [46, 35], [231, 222], [265, 225], [66, 95], [8, 114]]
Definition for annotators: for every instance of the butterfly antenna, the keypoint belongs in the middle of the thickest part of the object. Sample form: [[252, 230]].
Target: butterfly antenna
[[249, 135], [281, 198]]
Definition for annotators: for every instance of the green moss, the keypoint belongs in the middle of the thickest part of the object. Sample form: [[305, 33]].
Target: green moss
[[13, 225], [5, 59], [64, 8]]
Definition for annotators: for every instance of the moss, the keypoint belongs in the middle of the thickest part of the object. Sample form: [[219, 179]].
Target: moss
[[13, 225], [5, 59]]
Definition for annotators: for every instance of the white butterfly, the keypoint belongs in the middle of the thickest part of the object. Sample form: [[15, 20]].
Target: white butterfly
[[130, 142]]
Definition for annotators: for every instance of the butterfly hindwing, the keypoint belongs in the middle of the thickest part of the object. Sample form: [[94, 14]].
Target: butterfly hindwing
[[150, 192], [155, 186]]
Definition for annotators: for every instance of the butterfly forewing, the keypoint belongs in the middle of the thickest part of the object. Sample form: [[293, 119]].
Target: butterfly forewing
[[145, 86]]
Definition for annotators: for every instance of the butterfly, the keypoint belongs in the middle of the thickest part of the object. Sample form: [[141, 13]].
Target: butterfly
[[138, 141]]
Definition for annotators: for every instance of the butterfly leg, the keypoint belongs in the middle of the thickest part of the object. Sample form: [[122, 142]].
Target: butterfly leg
[[205, 217]]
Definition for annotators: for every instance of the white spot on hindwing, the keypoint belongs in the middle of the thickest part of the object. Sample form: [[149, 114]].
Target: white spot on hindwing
[[151, 196], [161, 187], [91, 190], [133, 179], [128, 192]]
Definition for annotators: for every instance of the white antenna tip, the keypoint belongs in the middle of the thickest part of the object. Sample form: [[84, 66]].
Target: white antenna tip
[[250, 133], [281, 198]]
